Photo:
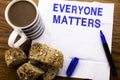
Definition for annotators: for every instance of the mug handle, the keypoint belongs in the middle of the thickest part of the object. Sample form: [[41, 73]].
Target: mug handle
[[13, 36]]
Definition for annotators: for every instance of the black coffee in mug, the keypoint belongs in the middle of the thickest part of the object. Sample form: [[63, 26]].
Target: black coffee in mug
[[22, 13]]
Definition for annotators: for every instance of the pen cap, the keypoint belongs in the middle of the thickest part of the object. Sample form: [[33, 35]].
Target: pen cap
[[72, 66]]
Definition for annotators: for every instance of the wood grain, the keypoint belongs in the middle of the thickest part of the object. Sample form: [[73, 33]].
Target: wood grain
[[7, 73]]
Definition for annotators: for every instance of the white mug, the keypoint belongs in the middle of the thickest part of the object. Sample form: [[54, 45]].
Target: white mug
[[32, 31]]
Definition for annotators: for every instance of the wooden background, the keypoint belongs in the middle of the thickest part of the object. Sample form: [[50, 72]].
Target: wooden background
[[5, 30]]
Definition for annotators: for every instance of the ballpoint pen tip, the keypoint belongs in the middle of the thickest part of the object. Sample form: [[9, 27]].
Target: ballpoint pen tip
[[101, 32]]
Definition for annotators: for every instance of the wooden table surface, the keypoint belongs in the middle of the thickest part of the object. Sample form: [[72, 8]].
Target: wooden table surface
[[5, 30]]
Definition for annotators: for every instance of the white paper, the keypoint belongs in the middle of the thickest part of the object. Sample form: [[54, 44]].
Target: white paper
[[77, 40]]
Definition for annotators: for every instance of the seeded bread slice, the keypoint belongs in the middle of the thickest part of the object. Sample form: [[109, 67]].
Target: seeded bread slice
[[15, 57], [45, 54], [29, 72], [50, 71]]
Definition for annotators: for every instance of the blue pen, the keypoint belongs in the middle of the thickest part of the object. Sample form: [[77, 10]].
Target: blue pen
[[72, 66], [108, 54]]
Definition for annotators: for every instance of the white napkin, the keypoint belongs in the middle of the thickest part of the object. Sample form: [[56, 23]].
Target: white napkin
[[82, 40]]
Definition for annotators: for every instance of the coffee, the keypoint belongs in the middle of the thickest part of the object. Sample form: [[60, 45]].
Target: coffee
[[22, 13], [23, 16]]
